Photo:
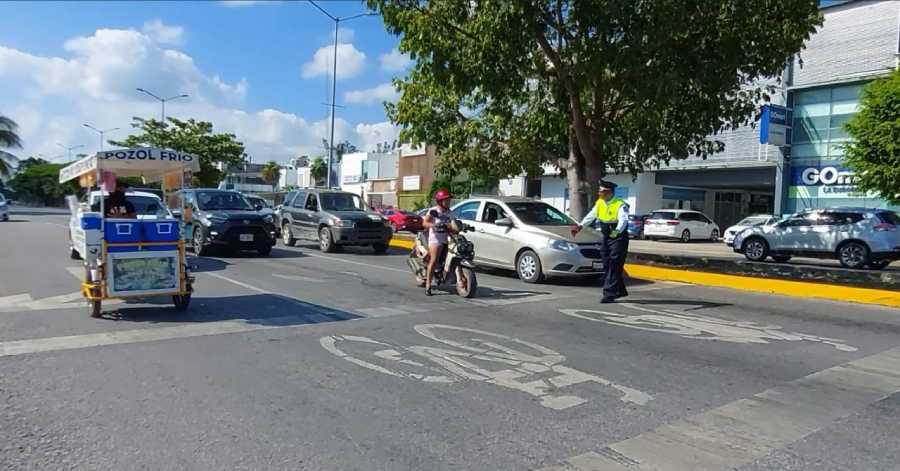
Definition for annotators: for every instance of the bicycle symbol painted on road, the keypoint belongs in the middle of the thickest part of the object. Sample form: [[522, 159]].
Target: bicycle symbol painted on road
[[697, 326], [476, 355]]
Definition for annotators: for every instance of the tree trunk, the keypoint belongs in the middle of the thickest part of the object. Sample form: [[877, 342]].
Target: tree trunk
[[583, 177]]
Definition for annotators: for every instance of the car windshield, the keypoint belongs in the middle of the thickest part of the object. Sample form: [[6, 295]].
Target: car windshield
[[221, 201], [753, 221], [540, 214], [257, 201], [340, 202], [663, 215]]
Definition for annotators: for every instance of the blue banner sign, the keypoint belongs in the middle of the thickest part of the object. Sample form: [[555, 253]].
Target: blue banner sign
[[773, 125]]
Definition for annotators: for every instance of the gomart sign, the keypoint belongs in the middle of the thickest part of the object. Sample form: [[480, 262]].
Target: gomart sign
[[823, 182]]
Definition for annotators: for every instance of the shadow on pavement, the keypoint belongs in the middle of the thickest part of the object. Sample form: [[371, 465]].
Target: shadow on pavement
[[256, 309], [362, 251], [278, 253], [491, 293], [205, 264]]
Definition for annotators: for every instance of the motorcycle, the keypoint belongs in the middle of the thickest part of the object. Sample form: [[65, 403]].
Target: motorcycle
[[456, 266]]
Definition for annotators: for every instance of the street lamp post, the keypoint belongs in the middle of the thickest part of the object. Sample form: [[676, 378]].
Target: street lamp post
[[163, 101], [69, 150], [337, 22], [101, 132]]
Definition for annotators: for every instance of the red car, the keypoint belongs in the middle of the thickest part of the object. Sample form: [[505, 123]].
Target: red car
[[402, 220]]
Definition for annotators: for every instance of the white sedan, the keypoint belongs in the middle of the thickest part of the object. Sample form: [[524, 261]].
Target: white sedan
[[746, 223]]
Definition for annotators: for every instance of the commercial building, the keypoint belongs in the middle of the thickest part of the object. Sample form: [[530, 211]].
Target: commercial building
[[415, 174], [857, 43], [372, 175]]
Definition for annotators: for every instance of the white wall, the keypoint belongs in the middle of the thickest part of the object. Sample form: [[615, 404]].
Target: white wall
[[512, 186], [351, 167]]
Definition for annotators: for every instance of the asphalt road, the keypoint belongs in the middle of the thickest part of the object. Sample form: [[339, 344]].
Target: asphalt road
[[337, 362]]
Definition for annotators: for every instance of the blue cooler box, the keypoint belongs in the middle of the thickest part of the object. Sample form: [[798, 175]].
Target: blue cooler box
[[90, 221], [161, 230], [120, 231]]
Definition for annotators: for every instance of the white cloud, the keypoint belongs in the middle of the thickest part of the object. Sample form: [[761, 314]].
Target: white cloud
[[163, 33], [394, 61], [50, 98], [345, 36], [350, 62], [369, 96]]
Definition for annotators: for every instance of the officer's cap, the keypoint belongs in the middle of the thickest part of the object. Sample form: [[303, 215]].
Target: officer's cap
[[605, 185]]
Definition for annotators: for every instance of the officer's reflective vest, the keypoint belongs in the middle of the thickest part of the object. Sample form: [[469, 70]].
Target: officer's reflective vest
[[608, 211]]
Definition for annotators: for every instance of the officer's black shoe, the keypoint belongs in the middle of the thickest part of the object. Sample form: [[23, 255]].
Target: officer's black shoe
[[607, 300]]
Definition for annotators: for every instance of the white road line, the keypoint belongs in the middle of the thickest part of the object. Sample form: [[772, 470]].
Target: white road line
[[298, 278], [748, 429], [518, 300], [239, 283], [352, 262], [382, 311], [15, 300]]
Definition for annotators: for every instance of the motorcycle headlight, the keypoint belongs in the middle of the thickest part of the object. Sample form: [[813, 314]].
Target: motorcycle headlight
[[268, 219], [562, 245]]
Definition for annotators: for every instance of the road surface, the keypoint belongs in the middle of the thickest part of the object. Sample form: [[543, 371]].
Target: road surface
[[336, 362]]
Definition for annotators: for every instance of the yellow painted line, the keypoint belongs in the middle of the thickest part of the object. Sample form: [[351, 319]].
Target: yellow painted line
[[402, 244], [799, 289]]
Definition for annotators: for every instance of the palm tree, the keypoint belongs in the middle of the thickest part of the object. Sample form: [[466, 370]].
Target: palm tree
[[317, 170], [271, 173], [8, 138]]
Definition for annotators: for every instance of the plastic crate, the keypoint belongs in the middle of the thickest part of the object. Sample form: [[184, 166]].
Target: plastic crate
[[120, 231], [161, 230]]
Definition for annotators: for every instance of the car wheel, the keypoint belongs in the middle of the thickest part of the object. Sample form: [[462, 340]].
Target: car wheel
[[265, 251], [73, 254], [756, 249], [181, 302], [380, 248], [199, 249], [714, 235], [853, 255], [528, 267], [878, 264], [326, 241], [686, 236], [781, 258], [287, 236]]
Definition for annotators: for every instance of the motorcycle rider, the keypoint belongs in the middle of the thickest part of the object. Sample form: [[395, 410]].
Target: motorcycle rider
[[437, 223]]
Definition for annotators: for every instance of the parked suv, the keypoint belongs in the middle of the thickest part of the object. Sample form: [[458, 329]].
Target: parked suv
[[857, 237], [224, 218], [332, 218], [680, 224], [530, 237]]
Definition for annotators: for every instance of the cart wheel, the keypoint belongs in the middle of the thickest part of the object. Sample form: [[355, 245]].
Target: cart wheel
[[181, 301], [96, 308]]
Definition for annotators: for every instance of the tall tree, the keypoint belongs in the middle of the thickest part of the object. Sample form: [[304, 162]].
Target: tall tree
[[195, 137], [874, 152], [502, 86], [318, 170], [271, 173], [9, 138], [39, 183]]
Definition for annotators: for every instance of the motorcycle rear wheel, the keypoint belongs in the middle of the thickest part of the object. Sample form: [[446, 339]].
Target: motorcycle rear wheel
[[466, 283]]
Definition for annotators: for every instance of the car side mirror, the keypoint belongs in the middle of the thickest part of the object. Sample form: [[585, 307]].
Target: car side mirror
[[177, 213], [259, 207], [504, 222]]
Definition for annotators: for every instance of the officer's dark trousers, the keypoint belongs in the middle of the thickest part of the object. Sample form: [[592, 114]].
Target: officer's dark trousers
[[614, 252]]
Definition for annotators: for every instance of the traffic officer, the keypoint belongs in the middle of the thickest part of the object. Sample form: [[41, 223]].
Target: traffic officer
[[610, 214]]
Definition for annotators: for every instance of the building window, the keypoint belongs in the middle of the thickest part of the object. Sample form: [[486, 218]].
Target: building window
[[533, 188], [819, 117]]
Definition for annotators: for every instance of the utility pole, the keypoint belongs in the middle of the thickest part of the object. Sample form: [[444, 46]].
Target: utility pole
[[101, 132], [69, 150], [337, 23], [162, 101]]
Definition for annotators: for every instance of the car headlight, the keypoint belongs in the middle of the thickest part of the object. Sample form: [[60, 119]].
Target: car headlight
[[343, 223], [562, 245], [212, 219], [268, 219]]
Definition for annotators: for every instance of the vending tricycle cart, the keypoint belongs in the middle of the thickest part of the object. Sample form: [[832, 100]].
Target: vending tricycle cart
[[126, 258]]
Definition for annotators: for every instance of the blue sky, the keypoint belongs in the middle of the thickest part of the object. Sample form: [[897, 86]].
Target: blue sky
[[257, 69]]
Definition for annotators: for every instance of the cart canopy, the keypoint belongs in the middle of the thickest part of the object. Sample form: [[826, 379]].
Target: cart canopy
[[150, 163]]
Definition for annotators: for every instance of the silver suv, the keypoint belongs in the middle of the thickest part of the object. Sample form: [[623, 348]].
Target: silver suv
[[530, 237], [858, 237]]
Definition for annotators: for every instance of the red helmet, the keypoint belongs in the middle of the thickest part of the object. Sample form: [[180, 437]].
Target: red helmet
[[442, 194]]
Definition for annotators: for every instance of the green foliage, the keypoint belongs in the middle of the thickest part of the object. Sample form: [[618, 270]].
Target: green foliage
[[271, 173], [461, 189], [7, 163], [874, 152], [318, 170], [39, 183], [9, 136], [501, 86], [195, 137]]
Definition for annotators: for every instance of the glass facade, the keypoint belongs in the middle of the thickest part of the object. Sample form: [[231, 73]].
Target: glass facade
[[818, 177]]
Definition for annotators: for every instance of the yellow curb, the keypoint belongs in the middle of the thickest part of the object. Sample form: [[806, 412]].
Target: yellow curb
[[799, 289], [402, 244]]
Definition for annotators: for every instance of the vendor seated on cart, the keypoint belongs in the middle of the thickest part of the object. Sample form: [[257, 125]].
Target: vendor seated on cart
[[116, 205]]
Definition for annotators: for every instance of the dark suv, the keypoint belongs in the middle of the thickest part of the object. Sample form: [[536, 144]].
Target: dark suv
[[224, 218], [334, 219]]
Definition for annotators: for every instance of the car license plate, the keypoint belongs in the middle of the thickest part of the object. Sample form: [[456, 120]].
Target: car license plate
[[597, 265], [246, 237]]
